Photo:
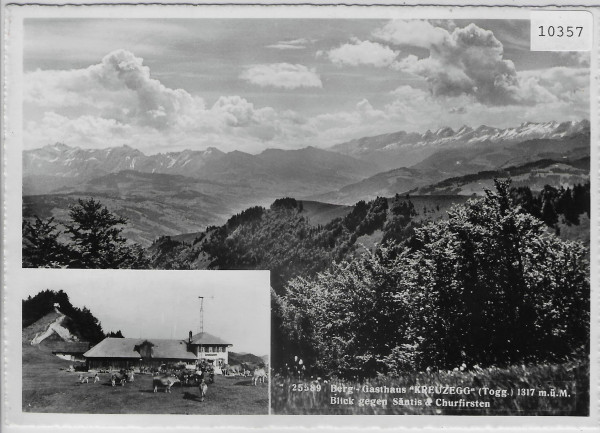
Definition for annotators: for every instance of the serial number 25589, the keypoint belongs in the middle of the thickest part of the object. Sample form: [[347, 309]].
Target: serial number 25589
[[299, 387]]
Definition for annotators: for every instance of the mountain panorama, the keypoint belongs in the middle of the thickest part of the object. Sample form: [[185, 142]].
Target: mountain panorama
[[350, 160], [183, 192]]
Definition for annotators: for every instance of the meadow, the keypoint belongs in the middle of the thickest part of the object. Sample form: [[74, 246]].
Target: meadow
[[500, 387], [48, 387]]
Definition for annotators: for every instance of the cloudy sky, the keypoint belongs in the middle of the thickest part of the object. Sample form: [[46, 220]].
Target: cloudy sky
[[251, 84], [165, 304]]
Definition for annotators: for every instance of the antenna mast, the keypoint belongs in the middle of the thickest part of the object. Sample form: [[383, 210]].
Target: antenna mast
[[201, 313], [202, 298]]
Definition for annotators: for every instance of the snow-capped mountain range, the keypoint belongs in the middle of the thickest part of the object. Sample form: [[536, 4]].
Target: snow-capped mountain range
[[61, 160], [404, 149], [299, 172]]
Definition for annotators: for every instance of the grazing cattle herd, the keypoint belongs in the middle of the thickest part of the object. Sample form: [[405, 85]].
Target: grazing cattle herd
[[168, 375]]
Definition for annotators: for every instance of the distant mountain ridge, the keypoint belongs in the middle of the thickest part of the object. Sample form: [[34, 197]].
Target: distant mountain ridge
[[561, 144], [535, 175], [281, 171], [404, 149]]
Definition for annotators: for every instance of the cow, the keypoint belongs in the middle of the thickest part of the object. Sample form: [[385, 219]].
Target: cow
[[96, 378], [189, 377], [166, 381], [233, 370], [83, 379], [249, 367], [130, 376], [202, 388], [196, 377], [118, 378], [259, 374]]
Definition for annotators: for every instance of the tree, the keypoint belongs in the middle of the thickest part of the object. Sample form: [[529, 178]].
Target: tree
[[489, 285], [117, 334], [549, 196], [41, 247], [397, 227], [96, 240]]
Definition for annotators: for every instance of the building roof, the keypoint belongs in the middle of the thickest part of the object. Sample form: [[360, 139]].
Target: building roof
[[206, 338], [175, 349], [126, 348]]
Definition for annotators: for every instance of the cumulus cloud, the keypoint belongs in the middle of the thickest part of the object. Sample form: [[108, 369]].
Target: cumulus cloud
[[293, 44], [361, 53], [90, 130], [118, 102], [578, 58], [282, 75], [569, 85], [462, 61], [120, 87], [416, 33], [468, 61]]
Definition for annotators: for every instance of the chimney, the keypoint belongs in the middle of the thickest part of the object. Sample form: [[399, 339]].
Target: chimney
[[190, 338]]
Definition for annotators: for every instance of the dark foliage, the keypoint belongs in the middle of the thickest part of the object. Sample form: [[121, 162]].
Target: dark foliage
[[170, 254], [398, 225], [487, 286], [41, 247], [95, 241], [246, 216], [552, 202], [81, 323], [285, 203], [117, 334]]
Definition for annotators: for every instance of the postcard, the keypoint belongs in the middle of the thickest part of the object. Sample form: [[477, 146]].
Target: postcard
[[278, 216]]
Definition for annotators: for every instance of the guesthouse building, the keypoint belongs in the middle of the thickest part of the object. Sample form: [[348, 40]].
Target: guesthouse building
[[118, 353]]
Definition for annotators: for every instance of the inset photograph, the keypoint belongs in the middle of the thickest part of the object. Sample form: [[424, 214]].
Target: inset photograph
[[147, 342]]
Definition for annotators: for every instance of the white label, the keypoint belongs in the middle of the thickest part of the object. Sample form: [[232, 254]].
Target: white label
[[561, 31]]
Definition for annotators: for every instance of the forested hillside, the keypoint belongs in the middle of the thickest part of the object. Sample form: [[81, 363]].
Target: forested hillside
[[490, 285], [284, 240], [79, 321]]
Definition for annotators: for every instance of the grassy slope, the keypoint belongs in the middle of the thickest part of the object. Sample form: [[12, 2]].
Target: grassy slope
[[47, 388]]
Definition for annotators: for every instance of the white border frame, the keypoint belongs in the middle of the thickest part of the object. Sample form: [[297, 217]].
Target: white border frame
[[13, 276]]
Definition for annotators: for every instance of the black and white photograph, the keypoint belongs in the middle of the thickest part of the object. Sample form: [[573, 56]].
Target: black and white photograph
[[419, 190], [304, 210], [192, 343]]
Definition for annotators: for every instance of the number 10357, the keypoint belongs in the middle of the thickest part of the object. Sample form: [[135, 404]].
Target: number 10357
[[560, 31]]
